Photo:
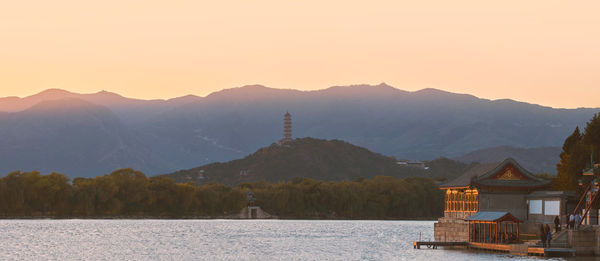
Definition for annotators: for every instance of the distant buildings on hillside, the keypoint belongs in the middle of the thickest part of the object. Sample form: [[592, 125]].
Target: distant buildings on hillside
[[244, 173], [414, 164]]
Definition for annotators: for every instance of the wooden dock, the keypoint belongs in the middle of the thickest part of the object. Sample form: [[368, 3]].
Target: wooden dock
[[523, 250], [514, 249], [551, 252], [435, 244]]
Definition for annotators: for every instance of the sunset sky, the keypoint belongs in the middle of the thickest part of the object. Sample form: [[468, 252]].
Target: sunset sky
[[545, 52]]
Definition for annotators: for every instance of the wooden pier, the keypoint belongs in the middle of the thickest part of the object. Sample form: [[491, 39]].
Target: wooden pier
[[435, 244], [551, 252], [514, 249]]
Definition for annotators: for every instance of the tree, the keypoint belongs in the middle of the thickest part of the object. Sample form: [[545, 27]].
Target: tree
[[566, 178], [132, 190], [591, 136], [162, 196], [84, 197]]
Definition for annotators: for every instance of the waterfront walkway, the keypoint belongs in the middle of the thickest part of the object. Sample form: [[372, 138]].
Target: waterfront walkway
[[514, 249], [435, 244]]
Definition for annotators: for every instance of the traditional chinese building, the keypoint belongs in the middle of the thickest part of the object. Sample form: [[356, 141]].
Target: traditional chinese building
[[502, 206], [502, 187]]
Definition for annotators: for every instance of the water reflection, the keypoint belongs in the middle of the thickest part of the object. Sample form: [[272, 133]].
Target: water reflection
[[224, 240]]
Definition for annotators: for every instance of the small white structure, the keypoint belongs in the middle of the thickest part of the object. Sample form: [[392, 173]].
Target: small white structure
[[254, 212]]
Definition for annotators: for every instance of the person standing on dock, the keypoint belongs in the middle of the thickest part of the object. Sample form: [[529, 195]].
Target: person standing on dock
[[556, 224], [577, 220], [543, 235], [571, 221], [547, 235]]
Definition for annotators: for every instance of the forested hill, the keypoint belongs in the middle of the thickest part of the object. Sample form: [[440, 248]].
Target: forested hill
[[327, 160]]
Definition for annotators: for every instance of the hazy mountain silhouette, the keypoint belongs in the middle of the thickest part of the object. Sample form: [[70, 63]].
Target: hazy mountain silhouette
[[71, 136], [414, 125], [185, 132], [126, 108], [536, 160]]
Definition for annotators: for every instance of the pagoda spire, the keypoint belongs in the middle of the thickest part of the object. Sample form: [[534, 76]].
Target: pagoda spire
[[287, 127]]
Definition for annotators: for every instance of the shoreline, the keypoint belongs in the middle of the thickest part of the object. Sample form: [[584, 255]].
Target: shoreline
[[202, 218]]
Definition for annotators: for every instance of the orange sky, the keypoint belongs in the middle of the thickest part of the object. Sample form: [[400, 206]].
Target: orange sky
[[545, 52]]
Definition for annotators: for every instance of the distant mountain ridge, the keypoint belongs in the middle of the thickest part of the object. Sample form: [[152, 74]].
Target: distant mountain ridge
[[159, 136], [131, 109], [14, 104], [536, 160], [70, 136]]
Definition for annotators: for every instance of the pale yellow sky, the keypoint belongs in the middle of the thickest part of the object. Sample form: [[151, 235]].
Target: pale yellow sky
[[539, 51]]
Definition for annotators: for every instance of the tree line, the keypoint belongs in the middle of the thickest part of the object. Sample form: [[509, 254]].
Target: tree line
[[129, 193], [379, 198], [578, 152]]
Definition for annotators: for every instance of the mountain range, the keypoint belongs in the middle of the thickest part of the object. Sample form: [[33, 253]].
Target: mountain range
[[85, 135]]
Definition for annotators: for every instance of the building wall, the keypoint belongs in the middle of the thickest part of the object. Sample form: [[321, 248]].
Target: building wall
[[451, 230], [544, 217], [514, 203], [583, 241]]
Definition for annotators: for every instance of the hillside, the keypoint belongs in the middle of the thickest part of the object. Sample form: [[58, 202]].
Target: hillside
[[327, 160], [536, 160]]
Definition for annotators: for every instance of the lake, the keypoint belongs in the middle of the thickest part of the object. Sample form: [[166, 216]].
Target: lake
[[223, 240]]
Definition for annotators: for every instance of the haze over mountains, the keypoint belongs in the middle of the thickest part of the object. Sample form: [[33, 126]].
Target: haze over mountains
[[85, 135], [536, 160]]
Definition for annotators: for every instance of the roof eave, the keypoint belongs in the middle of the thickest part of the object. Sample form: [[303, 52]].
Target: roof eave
[[455, 187]]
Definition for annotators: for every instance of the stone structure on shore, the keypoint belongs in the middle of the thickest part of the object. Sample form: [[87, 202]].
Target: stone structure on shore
[[252, 210]]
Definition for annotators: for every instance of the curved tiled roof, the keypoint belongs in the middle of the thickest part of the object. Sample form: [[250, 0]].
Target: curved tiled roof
[[493, 216], [482, 175], [464, 180]]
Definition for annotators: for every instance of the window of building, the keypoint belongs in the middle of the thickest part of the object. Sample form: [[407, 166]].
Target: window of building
[[551, 207], [461, 201], [535, 207]]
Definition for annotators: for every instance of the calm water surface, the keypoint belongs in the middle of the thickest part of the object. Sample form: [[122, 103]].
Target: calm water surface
[[223, 240]]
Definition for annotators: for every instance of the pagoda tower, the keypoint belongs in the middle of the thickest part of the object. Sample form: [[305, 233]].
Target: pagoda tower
[[287, 127]]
